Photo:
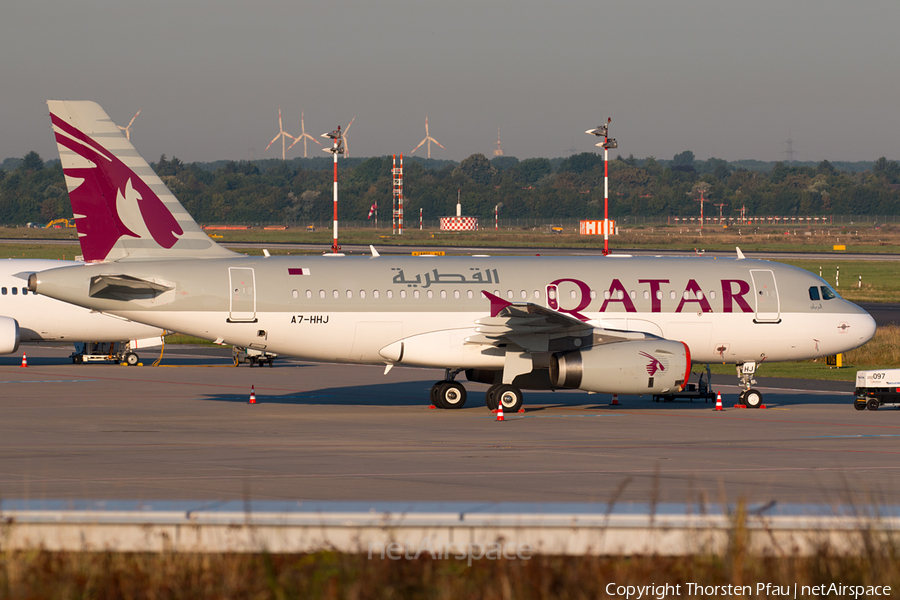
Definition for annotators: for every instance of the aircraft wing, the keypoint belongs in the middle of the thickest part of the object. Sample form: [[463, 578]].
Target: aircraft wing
[[535, 328]]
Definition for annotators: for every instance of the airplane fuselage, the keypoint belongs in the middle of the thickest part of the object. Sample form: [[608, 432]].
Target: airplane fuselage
[[42, 318], [350, 309]]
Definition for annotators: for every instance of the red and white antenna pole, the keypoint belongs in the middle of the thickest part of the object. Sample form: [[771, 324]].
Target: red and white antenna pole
[[338, 148], [607, 143], [400, 200], [420, 219]]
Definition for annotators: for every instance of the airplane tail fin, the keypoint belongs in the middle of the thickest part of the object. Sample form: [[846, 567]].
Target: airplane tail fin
[[122, 208]]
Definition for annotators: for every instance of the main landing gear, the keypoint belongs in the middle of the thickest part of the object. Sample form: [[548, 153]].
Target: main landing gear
[[448, 393], [750, 397], [509, 395], [451, 394]]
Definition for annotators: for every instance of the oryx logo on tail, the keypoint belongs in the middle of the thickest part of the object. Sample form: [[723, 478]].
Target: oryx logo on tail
[[101, 192]]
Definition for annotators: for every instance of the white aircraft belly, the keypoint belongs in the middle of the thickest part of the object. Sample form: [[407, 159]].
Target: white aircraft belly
[[436, 339]]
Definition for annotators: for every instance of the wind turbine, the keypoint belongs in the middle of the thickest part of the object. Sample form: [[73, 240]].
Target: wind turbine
[[127, 128], [281, 134], [428, 139], [303, 136], [346, 145]]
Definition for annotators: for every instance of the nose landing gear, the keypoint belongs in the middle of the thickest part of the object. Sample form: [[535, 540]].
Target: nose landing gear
[[750, 397]]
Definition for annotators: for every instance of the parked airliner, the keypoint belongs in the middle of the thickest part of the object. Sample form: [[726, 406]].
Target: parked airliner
[[623, 325], [29, 317]]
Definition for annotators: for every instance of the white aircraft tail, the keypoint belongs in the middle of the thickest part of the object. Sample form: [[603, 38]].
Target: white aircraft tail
[[122, 209]]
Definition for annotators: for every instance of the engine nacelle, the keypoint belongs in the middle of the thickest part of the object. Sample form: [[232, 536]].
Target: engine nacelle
[[9, 335], [653, 366]]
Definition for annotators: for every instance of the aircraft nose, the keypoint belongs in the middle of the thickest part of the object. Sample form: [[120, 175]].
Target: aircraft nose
[[866, 326], [861, 325]]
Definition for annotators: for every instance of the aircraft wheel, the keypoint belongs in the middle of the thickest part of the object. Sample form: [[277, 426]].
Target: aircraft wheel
[[872, 404], [752, 398], [510, 396], [490, 397], [436, 394], [859, 405], [452, 395], [131, 359]]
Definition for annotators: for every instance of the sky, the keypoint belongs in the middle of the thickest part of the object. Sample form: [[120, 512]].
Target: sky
[[721, 78]]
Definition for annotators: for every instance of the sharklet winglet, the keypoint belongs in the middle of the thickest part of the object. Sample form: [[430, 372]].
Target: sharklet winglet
[[739, 253], [497, 303]]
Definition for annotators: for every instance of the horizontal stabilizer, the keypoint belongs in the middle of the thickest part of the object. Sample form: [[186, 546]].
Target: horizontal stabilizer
[[125, 287]]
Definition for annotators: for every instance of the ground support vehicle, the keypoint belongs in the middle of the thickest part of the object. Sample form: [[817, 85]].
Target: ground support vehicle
[[877, 388], [252, 356], [117, 352]]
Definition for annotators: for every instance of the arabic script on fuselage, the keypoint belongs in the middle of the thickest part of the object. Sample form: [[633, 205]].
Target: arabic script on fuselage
[[475, 276]]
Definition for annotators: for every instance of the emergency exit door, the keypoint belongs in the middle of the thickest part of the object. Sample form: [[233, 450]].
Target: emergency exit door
[[242, 308]]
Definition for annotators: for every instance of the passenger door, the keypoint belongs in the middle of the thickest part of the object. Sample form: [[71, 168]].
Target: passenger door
[[242, 308], [768, 307]]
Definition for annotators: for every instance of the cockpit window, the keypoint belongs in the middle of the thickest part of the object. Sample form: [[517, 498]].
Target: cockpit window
[[814, 293], [827, 293]]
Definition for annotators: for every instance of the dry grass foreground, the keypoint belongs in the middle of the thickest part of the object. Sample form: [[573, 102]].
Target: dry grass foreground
[[329, 575]]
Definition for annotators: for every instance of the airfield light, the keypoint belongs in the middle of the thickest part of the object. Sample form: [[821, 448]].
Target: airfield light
[[338, 148], [606, 144]]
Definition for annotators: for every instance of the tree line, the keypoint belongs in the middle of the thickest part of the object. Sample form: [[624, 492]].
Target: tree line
[[299, 191]]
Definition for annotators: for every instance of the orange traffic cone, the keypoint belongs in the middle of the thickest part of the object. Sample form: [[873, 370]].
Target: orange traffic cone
[[500, 411], [718, 401], [24, 360], [252, 395], [615, 401]]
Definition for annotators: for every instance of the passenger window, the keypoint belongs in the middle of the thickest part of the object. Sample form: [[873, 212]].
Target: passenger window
[[814, 293], [362, 293], [430, 294], [322, 294], [659, 294], [349, 294], [403, 293], [308, 294], [672, 294], [295, 294], [606, 295], [470, 294], [632, 294], [336, 294], [15, 291], [712, 295], [443, 293], [415, 293], [827, 293], [456, 294], [524, 295], [537, 295], [572, 294], [509, 294], [646, 294], [375, 293], [390, 293], [3, 291]]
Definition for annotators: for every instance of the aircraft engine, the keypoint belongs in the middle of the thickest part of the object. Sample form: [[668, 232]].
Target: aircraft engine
[[9, 335], [653, 366]]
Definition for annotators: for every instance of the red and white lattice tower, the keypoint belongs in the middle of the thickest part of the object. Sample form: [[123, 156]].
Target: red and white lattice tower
[[397, 173]]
